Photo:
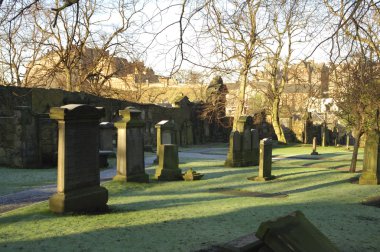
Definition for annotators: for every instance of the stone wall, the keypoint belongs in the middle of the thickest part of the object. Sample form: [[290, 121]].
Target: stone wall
[[28, 138]]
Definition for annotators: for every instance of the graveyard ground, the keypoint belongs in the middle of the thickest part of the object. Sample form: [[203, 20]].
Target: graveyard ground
[[188, 216]]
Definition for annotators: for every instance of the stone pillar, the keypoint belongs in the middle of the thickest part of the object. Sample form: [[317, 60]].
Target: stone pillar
[[371, 161], [255, 146], [324, 134], [166, 134], [130, 147], [167, 169], [347, 141], [78, 175], [314, 152], [265, 163]]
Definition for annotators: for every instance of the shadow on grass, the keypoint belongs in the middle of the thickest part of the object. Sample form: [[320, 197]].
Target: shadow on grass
[[185, 233]]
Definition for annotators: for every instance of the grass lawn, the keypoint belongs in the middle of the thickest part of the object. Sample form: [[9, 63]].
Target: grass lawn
[[187, 216]]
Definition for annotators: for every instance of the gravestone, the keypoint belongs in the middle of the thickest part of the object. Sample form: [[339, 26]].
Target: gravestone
[[107, 132], [78, 175], [371, 161], [255, 146], [234, 155], [130, 147], [167, 169], [165, 135], [314, 152], [293, 232], [265, 163]]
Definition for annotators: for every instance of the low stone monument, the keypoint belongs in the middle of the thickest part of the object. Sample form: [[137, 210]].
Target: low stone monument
[[371, 161], [130, 147], [167, 169], [107, 132], [265, 163], [314, 152], [166, 134], [78, 178], [293, 232]]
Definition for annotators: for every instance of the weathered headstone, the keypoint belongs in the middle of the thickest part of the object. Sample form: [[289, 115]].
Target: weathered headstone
[[107, 132], [234, 155], [255, 146], [265, 163], [314, 152], [371, 161], [293, 232], [78, 176], [167, 169], [165, 135], [130, 147]]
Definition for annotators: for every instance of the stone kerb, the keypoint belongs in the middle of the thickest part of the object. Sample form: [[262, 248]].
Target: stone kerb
[[78, 178], [166, 134], [371, 161], [167, 169], [130, 147]]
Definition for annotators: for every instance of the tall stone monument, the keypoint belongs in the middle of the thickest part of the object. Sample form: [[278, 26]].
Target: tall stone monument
[[166, 134], [371, 161], [78, 178], [130, 147]]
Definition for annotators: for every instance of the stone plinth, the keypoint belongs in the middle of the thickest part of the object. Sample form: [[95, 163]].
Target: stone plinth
[[265, 163], [371, 161], [78, 178], [166, 134], [167, 169], [130, 147]]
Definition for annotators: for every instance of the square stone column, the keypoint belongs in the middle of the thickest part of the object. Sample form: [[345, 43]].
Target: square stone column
[[78, 178], [371, 161], [166, 134], [130, 147]]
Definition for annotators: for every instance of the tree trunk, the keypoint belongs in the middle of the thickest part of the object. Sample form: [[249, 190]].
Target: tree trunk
[[69, 86], [354, 158], [276, 121]]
